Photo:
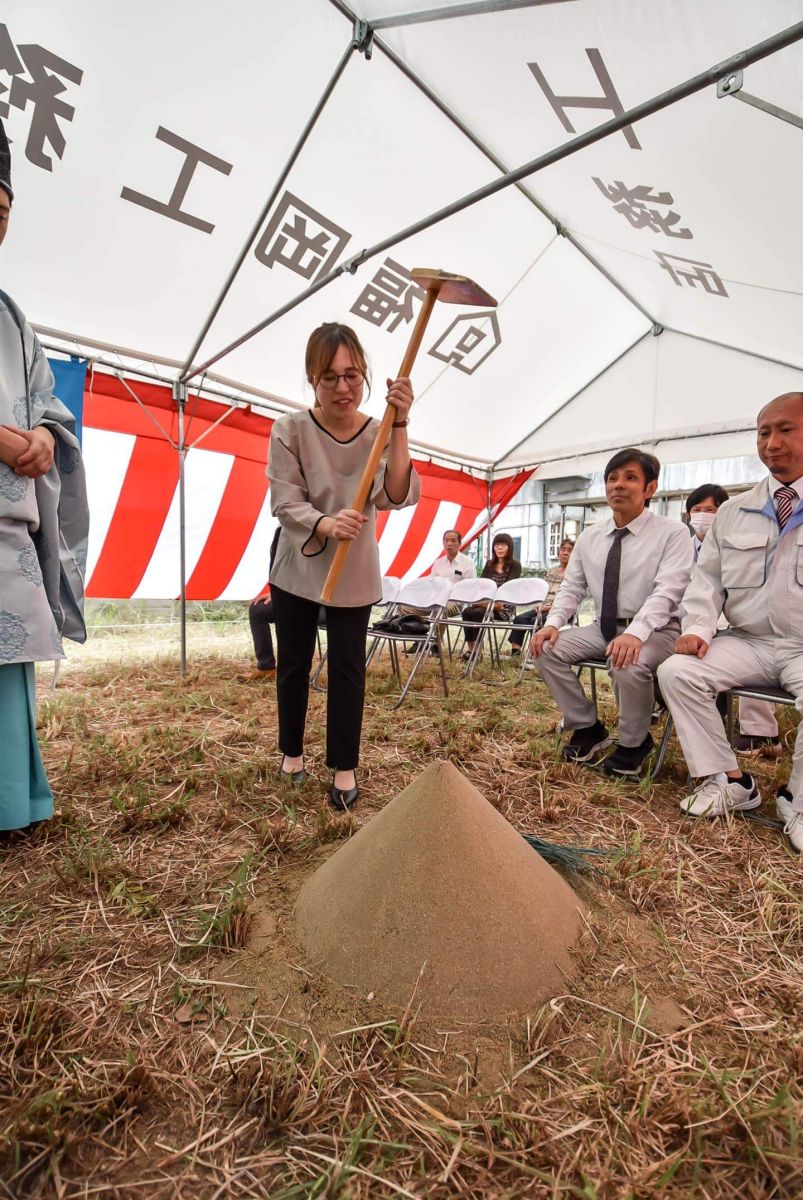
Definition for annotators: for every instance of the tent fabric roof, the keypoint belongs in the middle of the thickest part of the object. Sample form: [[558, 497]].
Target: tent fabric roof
[[136, 189]]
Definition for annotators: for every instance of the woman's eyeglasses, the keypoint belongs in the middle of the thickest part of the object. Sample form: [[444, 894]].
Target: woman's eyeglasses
[[330, 380]]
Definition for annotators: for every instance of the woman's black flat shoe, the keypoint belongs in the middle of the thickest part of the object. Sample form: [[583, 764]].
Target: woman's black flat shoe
[[343, 798], [294, 778]]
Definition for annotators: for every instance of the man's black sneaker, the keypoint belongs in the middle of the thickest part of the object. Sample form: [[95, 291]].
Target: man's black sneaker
[[754, 747], [585, 743], [626, 761]]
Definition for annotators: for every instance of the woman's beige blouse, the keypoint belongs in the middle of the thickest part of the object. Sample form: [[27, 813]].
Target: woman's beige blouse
[[313, 475]]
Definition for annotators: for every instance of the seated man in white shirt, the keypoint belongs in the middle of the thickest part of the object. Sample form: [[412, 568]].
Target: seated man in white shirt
[[453, 564], [636, 566], [751, 569]]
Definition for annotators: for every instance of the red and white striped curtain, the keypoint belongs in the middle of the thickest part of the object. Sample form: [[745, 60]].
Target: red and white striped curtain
[[132, 472]]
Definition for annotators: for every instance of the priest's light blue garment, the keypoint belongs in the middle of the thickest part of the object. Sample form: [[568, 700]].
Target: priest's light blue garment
[[25, 794], [44, 526]]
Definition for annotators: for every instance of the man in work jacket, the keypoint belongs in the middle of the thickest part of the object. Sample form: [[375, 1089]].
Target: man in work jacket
[[751, 569]]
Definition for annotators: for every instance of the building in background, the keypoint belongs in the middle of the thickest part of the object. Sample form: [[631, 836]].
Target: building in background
[[545, 512]]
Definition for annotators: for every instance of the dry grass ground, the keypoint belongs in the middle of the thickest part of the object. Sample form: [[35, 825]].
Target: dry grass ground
[[137, 1061]]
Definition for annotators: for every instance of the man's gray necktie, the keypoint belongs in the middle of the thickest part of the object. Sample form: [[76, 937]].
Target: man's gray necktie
[[609, 609]]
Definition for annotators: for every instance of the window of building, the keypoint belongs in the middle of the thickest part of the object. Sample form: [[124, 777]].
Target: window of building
[[558, 530], [554, 539]]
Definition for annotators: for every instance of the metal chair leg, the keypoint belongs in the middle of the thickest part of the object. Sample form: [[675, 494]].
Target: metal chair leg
[[731, 719], [439, 644], [317, 672], [372, 650], [475, 653], [493, 647], [524, 651], [421, 652], [393, 651], [669, 725]]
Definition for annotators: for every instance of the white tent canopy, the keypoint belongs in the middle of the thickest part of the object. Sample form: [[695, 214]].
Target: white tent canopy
[[649, 284]]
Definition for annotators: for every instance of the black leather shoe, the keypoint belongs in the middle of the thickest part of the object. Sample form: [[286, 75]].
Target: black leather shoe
[[343, 798], [626, 761], [294, 778], [585, 743]]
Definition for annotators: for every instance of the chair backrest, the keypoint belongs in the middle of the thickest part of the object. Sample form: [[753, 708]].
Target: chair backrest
[[469, 591], [390, 589], [523, 592], [425, 593]]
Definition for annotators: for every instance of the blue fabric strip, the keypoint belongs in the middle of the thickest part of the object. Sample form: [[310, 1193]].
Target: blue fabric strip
[[25, 794], [70, 377]]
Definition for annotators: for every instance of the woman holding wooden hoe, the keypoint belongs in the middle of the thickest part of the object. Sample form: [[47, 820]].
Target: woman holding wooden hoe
[[317, 458]]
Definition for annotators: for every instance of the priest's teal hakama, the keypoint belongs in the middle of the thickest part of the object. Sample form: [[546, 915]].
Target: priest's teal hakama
[[44, 525]]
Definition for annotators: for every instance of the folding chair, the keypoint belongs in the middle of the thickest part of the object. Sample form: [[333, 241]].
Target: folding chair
[[772, 695], [519, 594], [467, 592], [431, 597], [391, 586], [390, 590], [601, 664]]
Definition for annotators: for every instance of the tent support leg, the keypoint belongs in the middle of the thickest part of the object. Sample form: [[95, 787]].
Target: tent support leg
[[490, 555], [180, 397]]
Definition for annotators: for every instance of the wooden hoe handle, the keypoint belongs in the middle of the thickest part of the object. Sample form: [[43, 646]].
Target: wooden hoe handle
[[382, 436]]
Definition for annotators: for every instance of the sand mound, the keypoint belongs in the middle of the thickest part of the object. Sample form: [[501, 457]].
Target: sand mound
[[440, 878]]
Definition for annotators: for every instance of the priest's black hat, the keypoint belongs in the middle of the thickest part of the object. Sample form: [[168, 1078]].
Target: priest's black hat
[[5, 163]]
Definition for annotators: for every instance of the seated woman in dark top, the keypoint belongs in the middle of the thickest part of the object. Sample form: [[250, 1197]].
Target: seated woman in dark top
[[501, 568]]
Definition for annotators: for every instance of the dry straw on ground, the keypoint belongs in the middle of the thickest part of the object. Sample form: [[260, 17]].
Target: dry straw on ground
[[138, 1062]]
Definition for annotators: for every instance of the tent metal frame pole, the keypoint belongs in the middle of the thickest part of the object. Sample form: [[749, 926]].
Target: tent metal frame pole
[[680, 91], [353, 45], [772, 110], [484, 149], [476, 8], [144, 408], [246, 393], [490, 516], [647, 440], [570, 399], [210, 429], [466, 462], [180, 397], [699, 337]]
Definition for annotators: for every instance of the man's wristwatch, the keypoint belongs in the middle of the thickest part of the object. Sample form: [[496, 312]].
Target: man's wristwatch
[[401, 424]]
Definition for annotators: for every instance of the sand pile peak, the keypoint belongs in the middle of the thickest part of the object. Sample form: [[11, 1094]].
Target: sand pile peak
[[440, 880]]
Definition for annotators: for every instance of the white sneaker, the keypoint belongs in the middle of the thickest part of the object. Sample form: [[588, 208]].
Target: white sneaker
[[794, 831], [717, 796], [783, 807]]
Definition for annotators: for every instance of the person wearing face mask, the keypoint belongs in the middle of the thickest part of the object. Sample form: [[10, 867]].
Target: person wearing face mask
[[758, 729], [701, 508]]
